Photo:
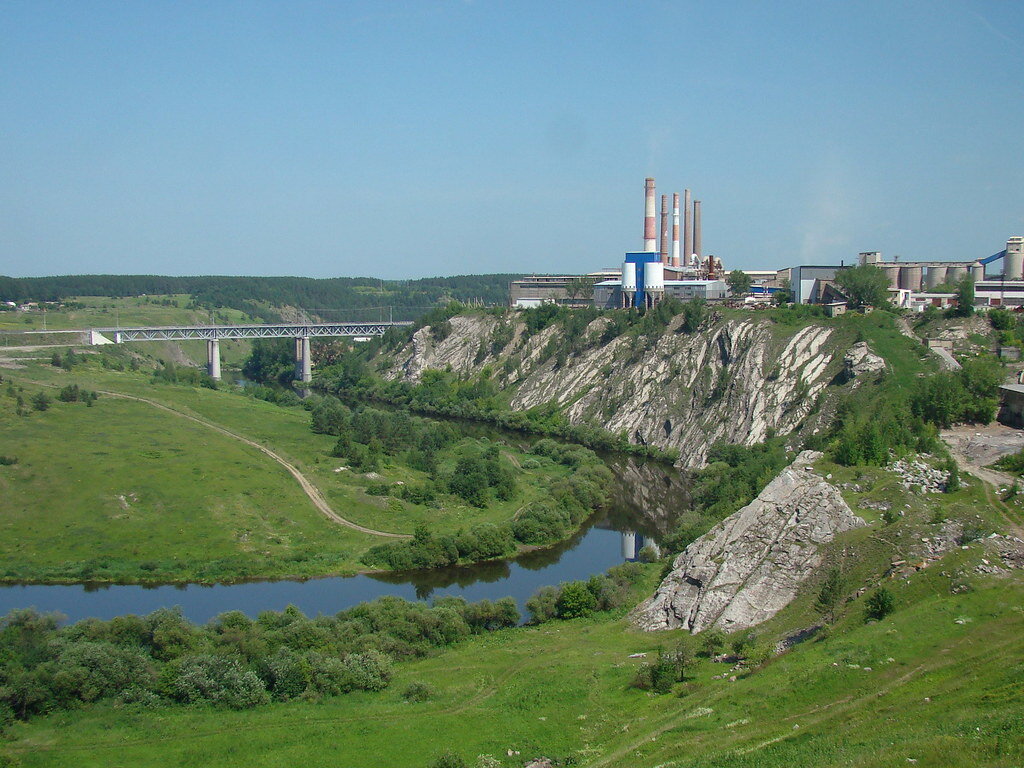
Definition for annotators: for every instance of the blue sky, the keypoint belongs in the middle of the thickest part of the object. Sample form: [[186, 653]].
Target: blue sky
[[409, 139]]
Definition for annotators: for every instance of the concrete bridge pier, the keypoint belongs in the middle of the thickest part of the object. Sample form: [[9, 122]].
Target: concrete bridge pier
[[298, 358], [213, 358], [307, 362]]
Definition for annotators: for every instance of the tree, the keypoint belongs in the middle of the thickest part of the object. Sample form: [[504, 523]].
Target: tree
[[830, 595], [580, 288], [785, 293], [880, 604], [964, 298], [40, 401], [739, 282], [866, 285]]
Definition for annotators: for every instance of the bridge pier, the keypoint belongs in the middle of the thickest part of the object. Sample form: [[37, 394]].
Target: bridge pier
[[298, 358], [213, 358], [307, 362]]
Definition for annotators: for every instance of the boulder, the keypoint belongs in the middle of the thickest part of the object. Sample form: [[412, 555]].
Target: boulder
[[750, 566]]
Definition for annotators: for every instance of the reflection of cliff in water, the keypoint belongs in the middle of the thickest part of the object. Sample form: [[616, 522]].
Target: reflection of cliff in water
[[646, 497], [645, 500]]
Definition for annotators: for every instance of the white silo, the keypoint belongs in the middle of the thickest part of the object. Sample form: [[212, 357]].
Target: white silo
[[977, 271], [654, 281], [1014, 259], [893, 273], [628, 282]]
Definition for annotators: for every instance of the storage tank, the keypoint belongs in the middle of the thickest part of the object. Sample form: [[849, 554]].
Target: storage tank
[[628, 277], [1014, 258], [977, 271], [910, 278], [936, 276], [654, 277], [893, 273], [956, 274]]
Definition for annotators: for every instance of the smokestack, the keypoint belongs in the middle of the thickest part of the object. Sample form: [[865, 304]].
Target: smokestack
[[675, 229], [650, 241], [687, 225], [663, 249], [696, 227]]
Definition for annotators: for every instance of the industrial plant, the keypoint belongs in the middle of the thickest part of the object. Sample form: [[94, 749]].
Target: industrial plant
[[670, 266]]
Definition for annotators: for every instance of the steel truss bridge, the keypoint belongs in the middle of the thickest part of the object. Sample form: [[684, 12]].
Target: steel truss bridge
[[212, 334], [279, 331]]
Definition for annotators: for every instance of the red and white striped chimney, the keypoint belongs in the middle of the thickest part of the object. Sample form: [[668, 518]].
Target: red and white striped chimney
[[650, 229], [675, 229]]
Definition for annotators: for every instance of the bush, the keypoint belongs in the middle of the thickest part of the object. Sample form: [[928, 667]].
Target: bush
[[712, 642], [417, 692], [880, 604], [216, 680], [575, 601], [449, 759]]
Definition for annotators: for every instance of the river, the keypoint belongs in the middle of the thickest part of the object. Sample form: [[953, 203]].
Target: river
[[646, 498]]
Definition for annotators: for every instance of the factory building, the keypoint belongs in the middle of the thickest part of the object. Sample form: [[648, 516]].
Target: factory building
[[665, 266], [567, 290], [660, 270]]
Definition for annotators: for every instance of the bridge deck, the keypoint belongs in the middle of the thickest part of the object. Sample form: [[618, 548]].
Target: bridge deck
[[274, 331]]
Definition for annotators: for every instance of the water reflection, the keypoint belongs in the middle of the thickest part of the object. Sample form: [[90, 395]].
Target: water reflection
[[646, 499]]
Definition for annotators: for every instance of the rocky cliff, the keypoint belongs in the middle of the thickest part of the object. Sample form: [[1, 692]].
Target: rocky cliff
[[733, 380], [749, 566]]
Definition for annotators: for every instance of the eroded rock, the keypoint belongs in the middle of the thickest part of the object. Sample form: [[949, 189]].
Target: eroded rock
[[749, 566]]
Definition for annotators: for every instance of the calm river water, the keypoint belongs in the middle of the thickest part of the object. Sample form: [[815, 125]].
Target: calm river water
[[646, 499]]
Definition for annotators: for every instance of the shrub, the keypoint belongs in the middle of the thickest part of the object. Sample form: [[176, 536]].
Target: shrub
[[449, 759], [879, 604], [712, 641], [417, 692], [217, 680], [575, 601]]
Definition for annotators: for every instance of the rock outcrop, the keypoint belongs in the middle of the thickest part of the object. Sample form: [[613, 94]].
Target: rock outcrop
[[749, 566], [860, 360], [733, 381]]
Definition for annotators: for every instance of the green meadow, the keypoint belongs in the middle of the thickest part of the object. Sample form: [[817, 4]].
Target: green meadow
[[127, 491], [936, 683]]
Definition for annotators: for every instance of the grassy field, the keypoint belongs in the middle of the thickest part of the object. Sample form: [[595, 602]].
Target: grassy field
[[108, 312], [937, 683], [125, 491]]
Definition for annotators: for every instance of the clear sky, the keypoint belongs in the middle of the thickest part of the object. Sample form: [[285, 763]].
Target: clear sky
[[409, 139]]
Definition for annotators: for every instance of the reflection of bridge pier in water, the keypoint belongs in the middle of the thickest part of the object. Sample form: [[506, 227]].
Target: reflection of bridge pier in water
[[633, 542]]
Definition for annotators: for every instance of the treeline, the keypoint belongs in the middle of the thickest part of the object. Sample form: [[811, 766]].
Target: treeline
[[232, 661], [257, 295], [570, 501], [577, 599]]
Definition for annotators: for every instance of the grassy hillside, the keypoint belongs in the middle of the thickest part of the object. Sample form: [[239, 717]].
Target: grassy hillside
[[936, 683], [127, 491]]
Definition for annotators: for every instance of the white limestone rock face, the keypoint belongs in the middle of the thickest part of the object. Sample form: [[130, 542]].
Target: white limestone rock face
[[749, 566], [732, 381], [860, 360]]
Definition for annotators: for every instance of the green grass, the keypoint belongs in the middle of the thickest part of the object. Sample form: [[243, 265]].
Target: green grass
[[125, 491], [197, 505], [916, 685], [107, 312]]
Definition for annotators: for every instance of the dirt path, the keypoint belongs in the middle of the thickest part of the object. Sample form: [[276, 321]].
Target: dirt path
[[308, 488]]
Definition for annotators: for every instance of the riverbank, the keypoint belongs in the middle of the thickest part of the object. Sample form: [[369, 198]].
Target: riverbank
[[148, 497]]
